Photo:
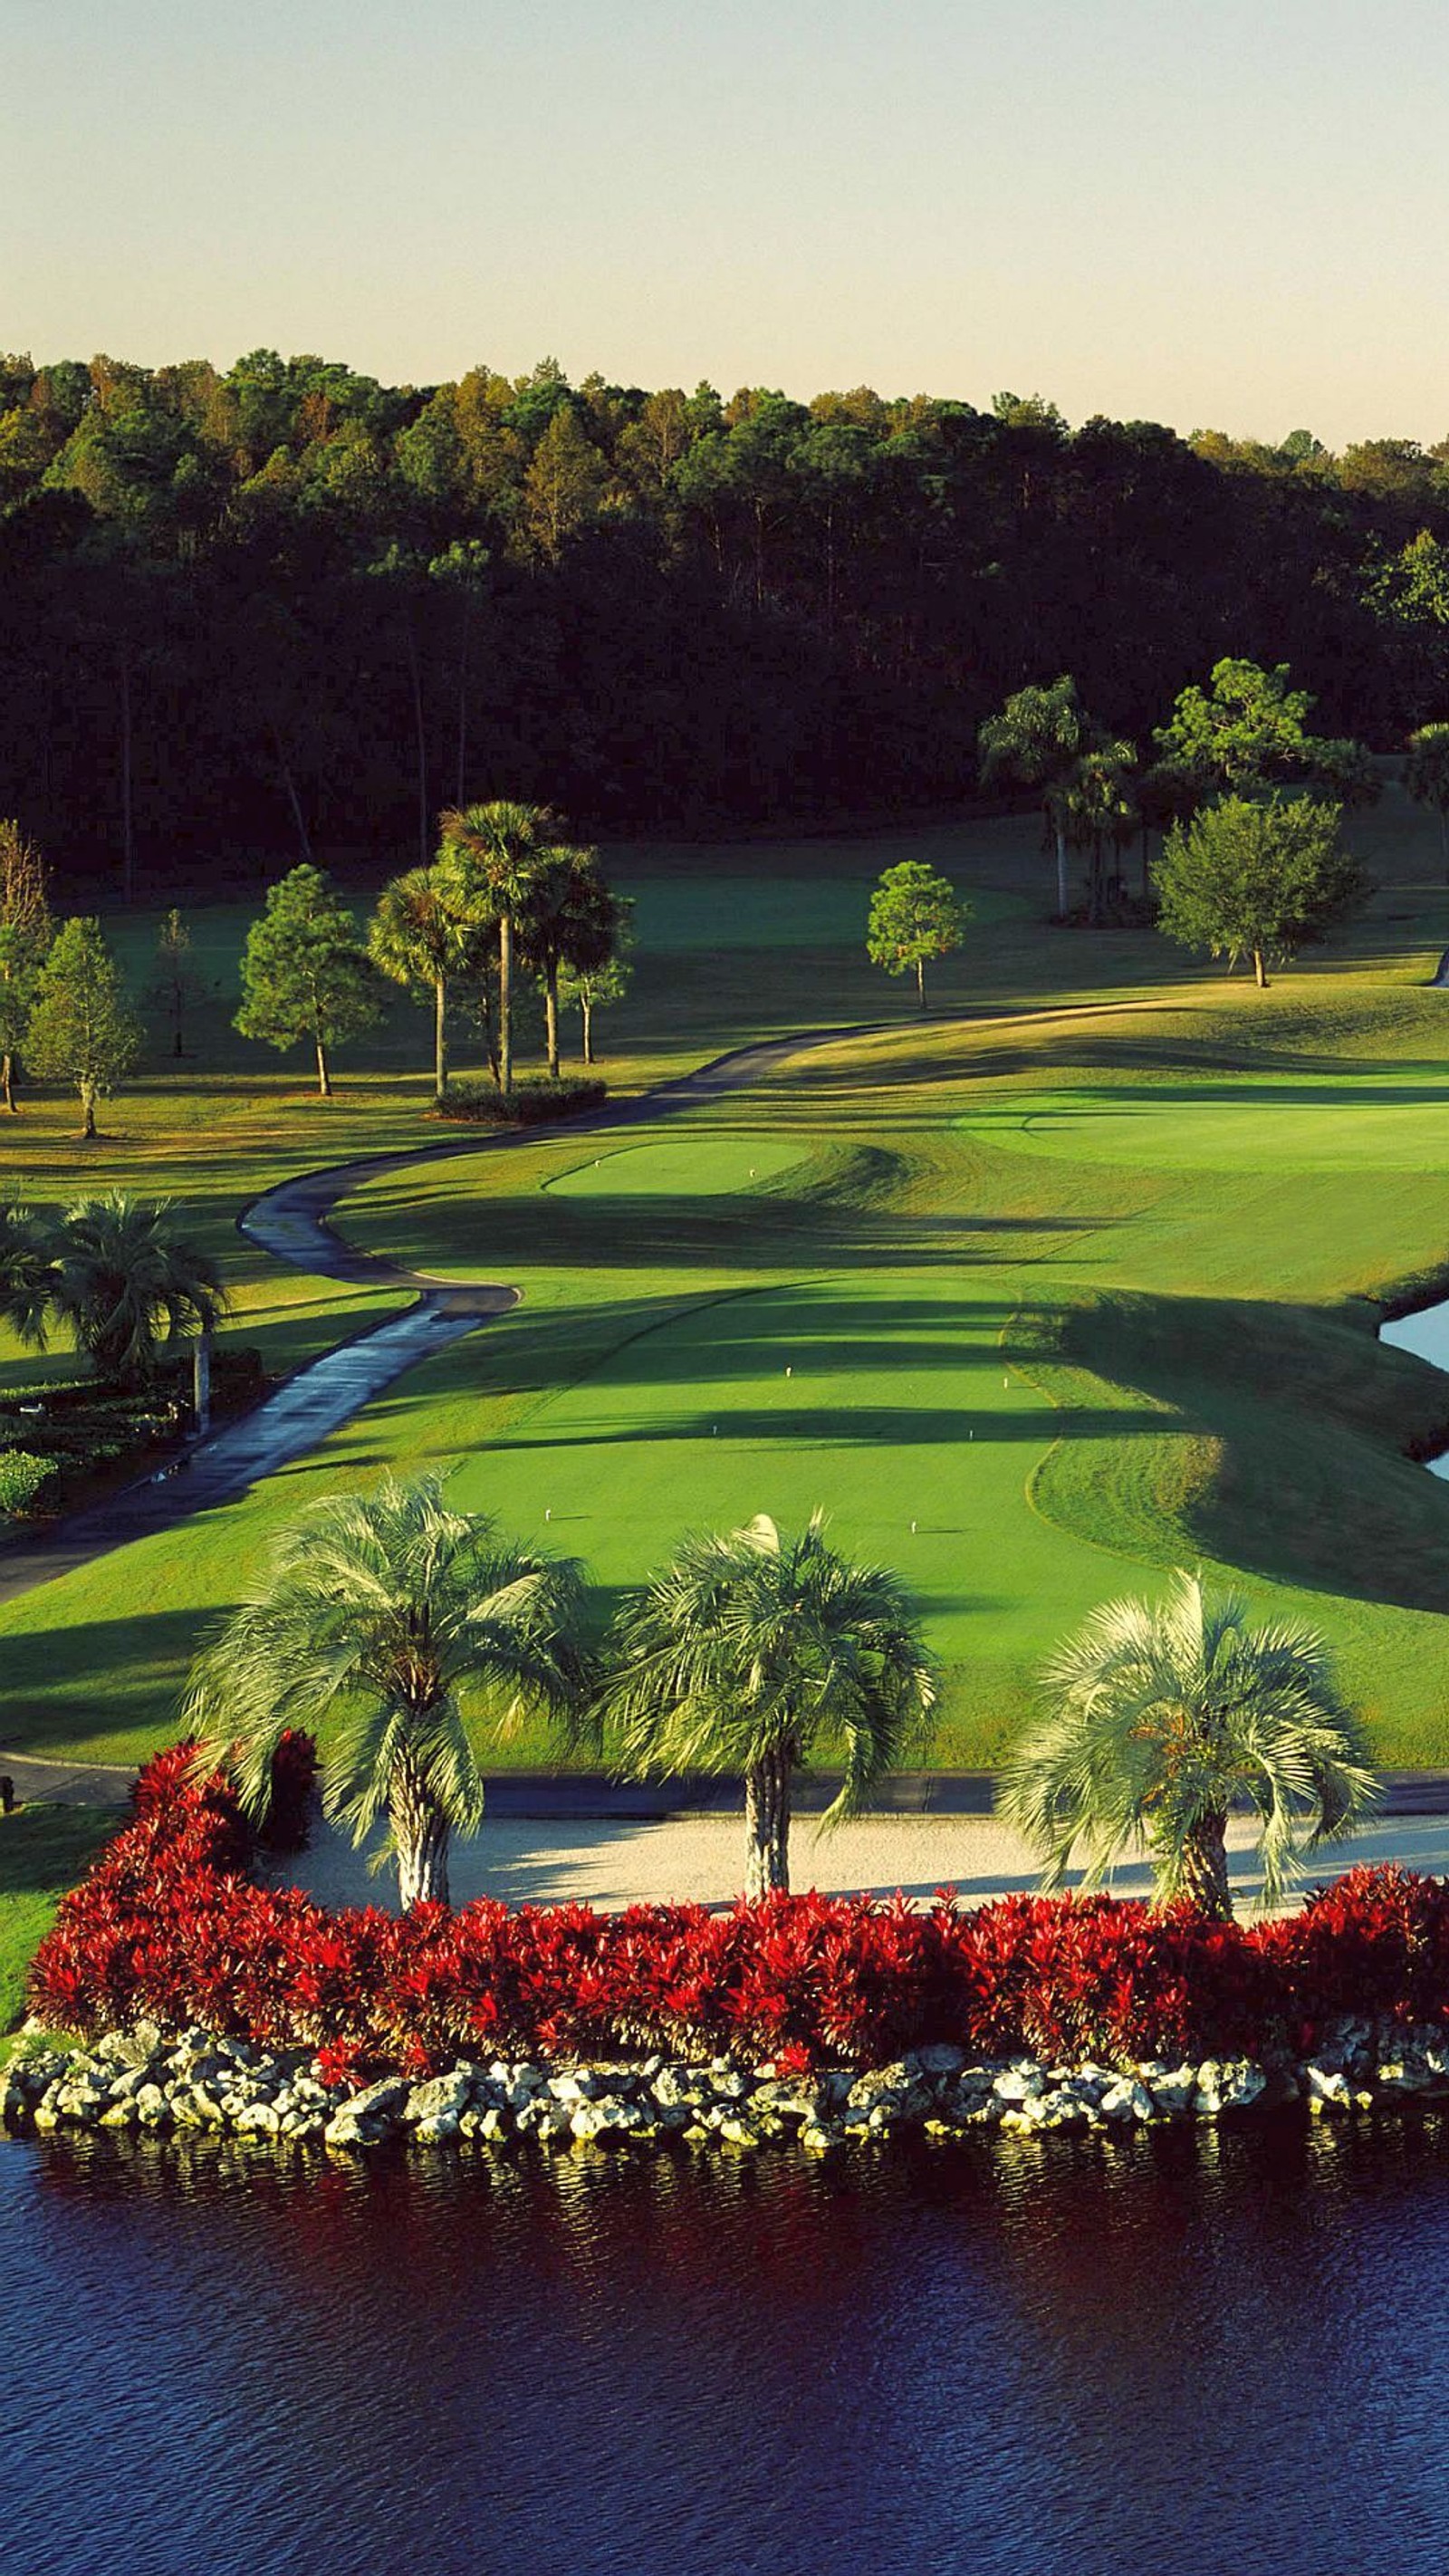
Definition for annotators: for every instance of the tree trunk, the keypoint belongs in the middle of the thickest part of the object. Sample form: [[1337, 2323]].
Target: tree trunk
[[505, 1003], [767, 1824], [440, 1038], [7, 1083], [415, 674], [88, 1107], [420, 1833], [128, 825], [462, 798], [1061, 873], [586, 1014], [324, 1078], [1444, 836], [550, 1014], [299, 819], [1260, 972], [1205, 1874], [921, 981]]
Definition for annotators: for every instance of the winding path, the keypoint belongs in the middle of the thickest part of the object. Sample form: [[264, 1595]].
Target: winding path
[[291, 1223]]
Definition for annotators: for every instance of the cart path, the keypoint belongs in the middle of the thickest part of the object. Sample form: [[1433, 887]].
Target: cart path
[[290, 1223]]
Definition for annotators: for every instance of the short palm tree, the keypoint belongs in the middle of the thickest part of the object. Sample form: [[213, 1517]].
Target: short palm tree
[[1166, 1717], [376, 1617], [748, 1653], [125, 1275], [496, 854], [27, 1272]]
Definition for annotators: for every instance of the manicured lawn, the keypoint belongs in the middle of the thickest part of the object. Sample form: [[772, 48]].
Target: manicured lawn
[[1036, 1307], [43, 1851]]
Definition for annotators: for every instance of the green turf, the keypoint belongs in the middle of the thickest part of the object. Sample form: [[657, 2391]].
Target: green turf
[[42, 1852], [1080, 1291]]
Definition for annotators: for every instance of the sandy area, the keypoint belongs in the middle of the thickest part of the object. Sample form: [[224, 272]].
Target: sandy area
[[702, 1857]]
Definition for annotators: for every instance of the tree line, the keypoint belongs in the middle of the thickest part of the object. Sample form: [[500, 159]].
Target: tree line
[[507, 897], [238, 608]]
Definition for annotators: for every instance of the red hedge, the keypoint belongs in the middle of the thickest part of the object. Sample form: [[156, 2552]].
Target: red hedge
[[168, 1927]]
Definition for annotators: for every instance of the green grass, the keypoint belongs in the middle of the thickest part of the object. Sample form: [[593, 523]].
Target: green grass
[[1036, 1306], [43, 1850]]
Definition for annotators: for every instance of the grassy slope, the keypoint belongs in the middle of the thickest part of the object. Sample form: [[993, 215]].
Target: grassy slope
[[42, 1852], [1075, 1296]]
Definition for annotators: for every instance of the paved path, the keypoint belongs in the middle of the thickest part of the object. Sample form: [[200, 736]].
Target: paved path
[[291, 1223]]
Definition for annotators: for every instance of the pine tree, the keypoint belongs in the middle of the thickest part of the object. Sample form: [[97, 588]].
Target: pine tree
[[304, 975], [81, 1029]]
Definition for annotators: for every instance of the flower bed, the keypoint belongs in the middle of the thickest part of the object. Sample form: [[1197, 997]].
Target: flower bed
[[169, 1933]]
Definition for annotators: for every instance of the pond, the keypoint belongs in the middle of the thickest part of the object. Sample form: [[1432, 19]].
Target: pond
[[1192, 2349]]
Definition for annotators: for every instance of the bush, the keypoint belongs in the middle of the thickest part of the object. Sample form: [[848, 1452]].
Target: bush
[[23, 1479], [535, 1102], [167, 1927]]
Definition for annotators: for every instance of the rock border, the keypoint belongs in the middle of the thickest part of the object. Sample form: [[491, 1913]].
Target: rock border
[[149, 2082]]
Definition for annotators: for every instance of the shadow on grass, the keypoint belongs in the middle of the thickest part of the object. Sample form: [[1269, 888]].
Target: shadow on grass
[[1303, 1421]]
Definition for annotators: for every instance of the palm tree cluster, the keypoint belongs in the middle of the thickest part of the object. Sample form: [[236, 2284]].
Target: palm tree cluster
[[120, 1274], [405, 1635], [506, 893]]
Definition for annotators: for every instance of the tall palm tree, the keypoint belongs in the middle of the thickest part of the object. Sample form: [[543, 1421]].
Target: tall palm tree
[[571, 916], [1093, 803], [1034, 741], [122, 1272], [421, 937], [496, 853], [1166, 1717], [751, 1651], [378, 1615], [1426, 776]]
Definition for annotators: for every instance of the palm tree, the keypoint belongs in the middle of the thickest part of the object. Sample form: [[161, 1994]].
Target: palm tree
[[1426, 775], [1165, 1718], [495, 853], [121, 1269], [420, 937], [571, 918], [377, 1616], [27, 1272], [750, 1650], [1034, 741], [1092, 802]]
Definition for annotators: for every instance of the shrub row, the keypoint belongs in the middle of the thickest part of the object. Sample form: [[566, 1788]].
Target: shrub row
[[169, 1928], [534, 1102]]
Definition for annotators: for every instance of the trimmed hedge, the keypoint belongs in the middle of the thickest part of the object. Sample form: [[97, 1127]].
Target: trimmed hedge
[[534, 1102], [168, 1928]]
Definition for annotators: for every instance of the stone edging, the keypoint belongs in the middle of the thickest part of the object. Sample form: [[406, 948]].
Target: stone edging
[[147, 2082]]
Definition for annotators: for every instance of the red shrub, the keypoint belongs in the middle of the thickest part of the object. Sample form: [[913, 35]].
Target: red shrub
[[166, 1928], [1375, 1942]]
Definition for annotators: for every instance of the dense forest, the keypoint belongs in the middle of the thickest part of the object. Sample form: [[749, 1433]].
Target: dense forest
[[287, 608]]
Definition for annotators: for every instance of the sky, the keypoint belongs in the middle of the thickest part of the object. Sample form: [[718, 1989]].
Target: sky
[[1223, 216]]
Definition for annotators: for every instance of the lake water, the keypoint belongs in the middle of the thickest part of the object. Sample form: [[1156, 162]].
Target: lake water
[[1193, 2349]]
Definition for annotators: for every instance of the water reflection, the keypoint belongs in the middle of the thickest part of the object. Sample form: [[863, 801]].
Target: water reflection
[[1191, 2348]]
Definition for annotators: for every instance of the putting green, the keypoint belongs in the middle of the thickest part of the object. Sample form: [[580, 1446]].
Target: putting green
[[678, 1167], [1389, 1122]]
